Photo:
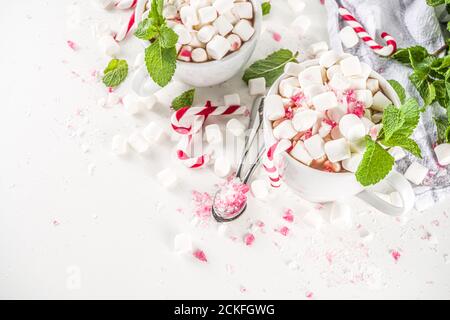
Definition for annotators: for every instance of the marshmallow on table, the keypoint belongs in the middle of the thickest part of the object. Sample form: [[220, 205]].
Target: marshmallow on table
[[325, 101], [108, 45], [184, 35], [213, 134], [138, 143], [206, 33], [285, 130], [397, 152], [301, 25], [311, 75], [348, 37], [235, 127], [274, 107], [259, 189], [182, 243], [167, 178], [119, 145], [257, 86], [297, 5], [315, 146], [416, 173], [442, 152], [352, 127], [300, 153], [341, 215], [293, 69], [223, 26], [329, 58], [317, 47], [339, 82], [223, 6], [207, 14], [288, 86], [218, 47], [199, 55], [304, 120], [380, 101], [373, 85], [222, 167], [188, 15], [235, 42], [153, 132], [365, 96], [133, 104], [232, 100], [351, 66], [243, 10], [337, 150], [244, 29], [351, 164]]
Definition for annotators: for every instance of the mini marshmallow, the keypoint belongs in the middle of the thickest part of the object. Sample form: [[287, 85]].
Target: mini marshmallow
[[348, 37], [185, 54], [325, 101], [341, 215], [207, 14], [317, 47], [232, 100], [182, 243], [260, 189], [223, 6], [367, 123], [442, 152], [167, 178], [285, 130], [397, 152], [324, 130], [337, 150], [313, 90], [339, 82], [218, 47], [235, 42], [357, 83], [257, 86], [416, 173], [206, 33], [184, 35], [352, 128], [373, 85], [222, 167], [297, 5], [274, 107], [153, 132], [223, 26], [301, 25], [138, 143], [333, 70], [119, 145], [358, 146], [231, 17], [189, 17], [235, 127], [315, 146], [195, 42], [170, 12], [108, 45], [311, 75], [377, 117], [243, 10], [213, 134], [300, 153], [132, 104], [313, 219], [351, 66], [351, 164], [304, 120], [288, 86], [365, 96], [329, 58], [335, 133], [293, 69], [366, 70], [244, 30], [199, 55], [380, 101], [335, 114]]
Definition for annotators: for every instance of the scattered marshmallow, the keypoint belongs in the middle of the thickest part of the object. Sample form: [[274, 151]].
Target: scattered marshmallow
[[138, 143], [315, 146], [351, 66], [244, 30], [398, 153], [380, 101], [235, 127], [260, 189], [442, 152], [317, 47], [243, 10], [348, 37], [300, 153], [341, 215], [148, 101], [351, 164], [207, 14], [213, 134], [297, 5], [285, 130], [119, 145], [153, 132], [232, 100], [223, 6], [274, 107], [108, 45], [222, 167], [337, 150], [199, 55], [325, 101], [218, 47], [167, 178], [416, 173], [304, 120], [235, 42], [132, 104], [352, 128], [223, 26], [182, 243], [257, 86]]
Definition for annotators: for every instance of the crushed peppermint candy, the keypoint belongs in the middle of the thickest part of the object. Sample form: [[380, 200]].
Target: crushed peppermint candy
[[200, 255], [288, 215], [231, 198], [249, 239]]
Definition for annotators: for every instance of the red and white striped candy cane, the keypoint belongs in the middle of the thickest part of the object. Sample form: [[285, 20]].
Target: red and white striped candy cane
[[125, 4], [270, 160], [135, 18], [189, 121], [391, 44]]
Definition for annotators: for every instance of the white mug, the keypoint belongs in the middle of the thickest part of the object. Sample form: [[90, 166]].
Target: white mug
[[320, 186]]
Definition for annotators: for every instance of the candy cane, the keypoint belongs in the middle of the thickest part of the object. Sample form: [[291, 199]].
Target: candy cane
[[189, 121], [385, 51], [125, 4], [134, 19], [270, 159]]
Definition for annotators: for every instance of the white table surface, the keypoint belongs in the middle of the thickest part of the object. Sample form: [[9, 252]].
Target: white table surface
[[78, 222]]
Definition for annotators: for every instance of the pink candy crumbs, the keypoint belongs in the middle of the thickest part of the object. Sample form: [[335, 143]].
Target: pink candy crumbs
[[232, 197], [202, 204], [249, 239], [288, 215], [200, 255], [276, 36], [309, 295], [72, 45], [283, 230], [396, 255]]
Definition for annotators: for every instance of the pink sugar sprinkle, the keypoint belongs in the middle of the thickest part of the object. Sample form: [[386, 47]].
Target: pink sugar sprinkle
[[200, 255], [72, 45], [357, 109], [55, 223], [110, 89], [260, 224], [202, 204], [242, 289], [276, 36], [330, 123], [396, 255], [309, 295], [289, 114], [249, 239], [288, 215], [283, 231]]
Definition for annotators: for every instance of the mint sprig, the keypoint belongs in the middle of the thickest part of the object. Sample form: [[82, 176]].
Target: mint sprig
[[115, 73], [186, 99], [266, 7]]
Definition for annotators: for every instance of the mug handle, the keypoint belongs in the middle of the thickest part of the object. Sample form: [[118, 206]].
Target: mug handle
[[402, 186]]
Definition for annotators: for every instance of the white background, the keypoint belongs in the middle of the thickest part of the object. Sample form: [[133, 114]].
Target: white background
[[78, 222]]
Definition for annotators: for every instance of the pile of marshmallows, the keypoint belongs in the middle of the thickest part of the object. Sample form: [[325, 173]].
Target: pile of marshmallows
[[209, 29], [326, 110]]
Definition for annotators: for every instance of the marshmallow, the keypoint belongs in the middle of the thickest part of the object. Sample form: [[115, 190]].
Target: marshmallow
[[341, 215], [257, 86], [235, 42], [311, 75], [231, 17], [285, 130], [365, 96], [351, 164], [297, 5], [119, 145], [367, 123], [301, 25], [244, 30], [108, 45], [213, 134], [397, 152], [223, 26], [358, 146], [339, 82], [337, 150], [260, 189], [366, 71], [222, 167], [153, 132], [442, 152], [223, 6], [206, 33], [189, 17], [232, 100], [351, 66], [292, 69], [317, 47], [352, 128], [167, 178], [218, 47], [315, 146], [185, 54], [325, 101], [207, 14], [313, 90], [313, 219], [288, 86], [235, 127], [329, 58], [300, 153], [335, 133], [380, 101], [199, 55], [324, 130], [373, 85], [348, 37], [170, 12], [333, 70], [182, 243], [243, 10], [358, 83], [335, 114], [416, 173], [132, 104], [304, 120], [377, 117], [195, 42], [137, 142], [274, 108], [184, 35]]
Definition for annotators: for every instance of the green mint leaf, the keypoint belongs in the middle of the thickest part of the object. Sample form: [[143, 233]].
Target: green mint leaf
[[168, 38], [160, 62], [393, 120], [271, 67], [266, 7], [447, 87], [156, 12], [424, 86], [435, 3], [146, 30], [399, 140], [398, 88], [411, 111], [440, 66], [411, 56], [442, 96], [448, 26], [115, 73], [442, 126], [184, 100], [375, 165]]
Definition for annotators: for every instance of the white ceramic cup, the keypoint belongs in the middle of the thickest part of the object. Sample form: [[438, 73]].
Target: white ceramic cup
[[320, 186]]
